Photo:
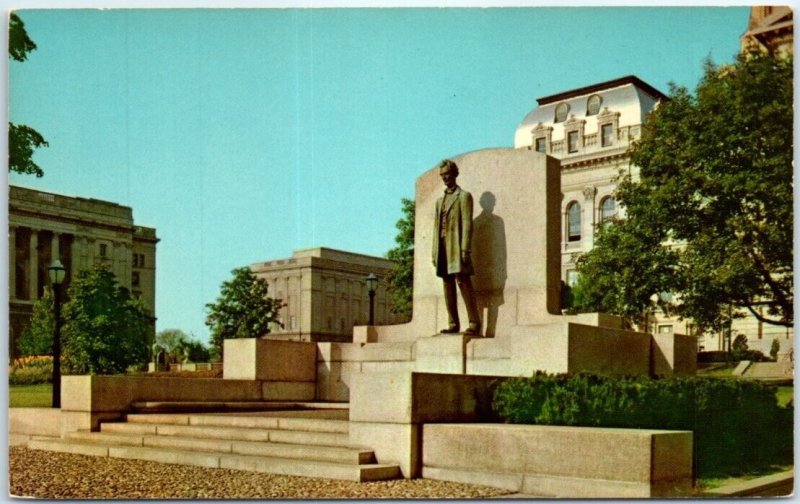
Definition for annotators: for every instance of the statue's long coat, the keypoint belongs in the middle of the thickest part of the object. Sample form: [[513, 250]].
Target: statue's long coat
[[458, 233]]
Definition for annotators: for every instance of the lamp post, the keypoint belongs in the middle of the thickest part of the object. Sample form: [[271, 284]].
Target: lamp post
[[372, 284], [57, 273]]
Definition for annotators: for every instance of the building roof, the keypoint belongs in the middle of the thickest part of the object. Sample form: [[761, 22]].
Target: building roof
[[629, 79], [629, 97]]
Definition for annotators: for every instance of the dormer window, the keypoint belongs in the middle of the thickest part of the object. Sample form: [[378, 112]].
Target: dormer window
[[562, 109], [541, 145], [593, 105]]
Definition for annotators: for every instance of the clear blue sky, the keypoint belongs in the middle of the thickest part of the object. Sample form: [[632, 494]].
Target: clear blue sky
[[242, 135]]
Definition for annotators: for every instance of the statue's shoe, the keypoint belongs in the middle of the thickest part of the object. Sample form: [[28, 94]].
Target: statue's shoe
[[450, 330]]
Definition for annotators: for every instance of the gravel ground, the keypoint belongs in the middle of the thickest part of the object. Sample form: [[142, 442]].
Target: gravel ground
[[35, 473]]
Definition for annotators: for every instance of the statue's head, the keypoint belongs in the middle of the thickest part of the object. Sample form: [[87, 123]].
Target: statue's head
[[448, 171], [448, 166]]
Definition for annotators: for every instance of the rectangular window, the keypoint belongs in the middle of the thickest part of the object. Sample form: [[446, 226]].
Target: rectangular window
[[135, 279], [103, 250], [541, 145], [572, 277], [606, 132], [665, 329], [572, 141]]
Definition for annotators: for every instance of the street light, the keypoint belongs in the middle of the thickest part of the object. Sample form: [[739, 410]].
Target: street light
[[57, 273], [372, 284]]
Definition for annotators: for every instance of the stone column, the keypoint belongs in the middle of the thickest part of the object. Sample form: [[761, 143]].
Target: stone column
[[75, 252], [589, 214], [12, 262], [33, 266], [55, 251]]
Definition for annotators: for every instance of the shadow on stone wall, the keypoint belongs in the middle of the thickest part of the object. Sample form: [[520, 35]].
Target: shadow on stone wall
[[489, 255]]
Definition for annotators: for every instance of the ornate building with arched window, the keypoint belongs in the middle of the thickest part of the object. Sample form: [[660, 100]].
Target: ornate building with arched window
[[589, 130]]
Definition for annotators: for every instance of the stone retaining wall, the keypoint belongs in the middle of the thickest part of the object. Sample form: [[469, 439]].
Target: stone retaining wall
[[556, 461]]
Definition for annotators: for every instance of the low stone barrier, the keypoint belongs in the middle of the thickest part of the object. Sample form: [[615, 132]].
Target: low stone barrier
[[24, 423], [557, 461]]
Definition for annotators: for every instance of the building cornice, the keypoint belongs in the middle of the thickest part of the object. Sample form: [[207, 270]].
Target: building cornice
[[629, 79]]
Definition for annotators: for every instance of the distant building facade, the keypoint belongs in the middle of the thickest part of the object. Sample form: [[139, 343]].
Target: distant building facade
[[770, 29], [589, 130], [80, 232], [325, 293]]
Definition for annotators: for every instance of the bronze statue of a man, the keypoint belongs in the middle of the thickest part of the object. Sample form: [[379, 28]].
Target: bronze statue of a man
[[452, 248]]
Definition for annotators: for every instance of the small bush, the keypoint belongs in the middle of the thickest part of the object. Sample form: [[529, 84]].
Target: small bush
[[31, 370], [738, 425]]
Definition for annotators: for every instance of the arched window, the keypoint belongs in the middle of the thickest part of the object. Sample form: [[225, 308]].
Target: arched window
[[593, 105], [574, 221], [608, 209], [562, 109]]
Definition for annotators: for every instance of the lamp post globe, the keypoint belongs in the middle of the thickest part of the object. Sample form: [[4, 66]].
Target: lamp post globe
[[57, 273]]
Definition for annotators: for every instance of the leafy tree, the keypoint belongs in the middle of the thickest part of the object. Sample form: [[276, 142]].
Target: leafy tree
[[627, 266], [37, 339], [243, 309], [22, 140], [181, 347], [195, 351], [709, 217], [171, 339], [105, 329], [400, 279], [19, 43]]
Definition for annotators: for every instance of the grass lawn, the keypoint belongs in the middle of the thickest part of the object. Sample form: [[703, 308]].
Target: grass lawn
[[30, 396], [704, 484]]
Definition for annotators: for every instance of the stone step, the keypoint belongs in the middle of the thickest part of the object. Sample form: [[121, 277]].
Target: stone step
[[233, 406], [339, 454], [260, 421], [274, 465], [230, 433]]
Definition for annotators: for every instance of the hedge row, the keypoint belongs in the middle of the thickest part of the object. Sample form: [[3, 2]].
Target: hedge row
[[738, 426]]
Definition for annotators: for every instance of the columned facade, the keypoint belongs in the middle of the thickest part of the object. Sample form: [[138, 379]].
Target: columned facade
[[79, 232]]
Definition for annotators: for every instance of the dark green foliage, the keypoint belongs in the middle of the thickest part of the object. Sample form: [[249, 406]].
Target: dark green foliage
[[19, 44], [105, 329], [242, 310], [400, 281], [737, 424], [740, 351], [37, 339], [181, 347], [22, 140], [709, 216]]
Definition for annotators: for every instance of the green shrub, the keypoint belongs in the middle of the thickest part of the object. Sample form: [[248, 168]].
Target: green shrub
[[738, 425], [31, 370]]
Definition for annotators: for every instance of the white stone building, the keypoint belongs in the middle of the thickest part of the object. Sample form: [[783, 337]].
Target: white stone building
[[589, 130], [325, 293], [79, 231]]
